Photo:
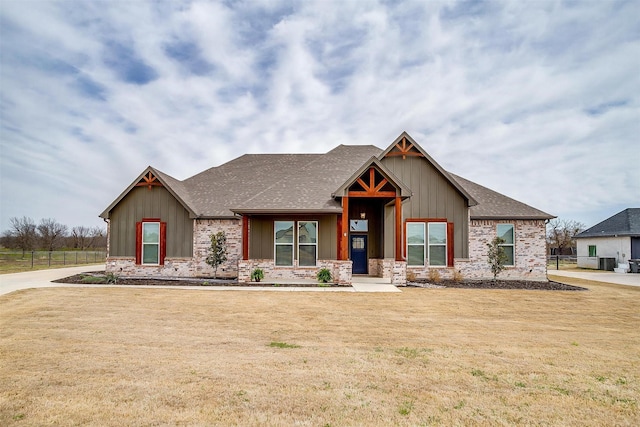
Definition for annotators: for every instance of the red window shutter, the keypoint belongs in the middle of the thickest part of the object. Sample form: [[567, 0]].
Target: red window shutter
[[449, 244], [138, 243], [163, 242]]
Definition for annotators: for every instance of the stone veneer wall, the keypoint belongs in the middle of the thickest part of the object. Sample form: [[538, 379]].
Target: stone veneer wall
[[340, 270], [530, 251], [389, 268], [190, 267]]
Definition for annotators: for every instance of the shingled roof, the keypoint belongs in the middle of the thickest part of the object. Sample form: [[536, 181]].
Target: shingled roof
[[493, 205], [625, 223], [302, 183]]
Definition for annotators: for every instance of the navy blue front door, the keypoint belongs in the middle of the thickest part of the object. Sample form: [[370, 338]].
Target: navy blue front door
[[359, 253]]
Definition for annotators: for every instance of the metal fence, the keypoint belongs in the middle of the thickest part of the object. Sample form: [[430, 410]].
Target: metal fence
[[51, 258], [556, 261]]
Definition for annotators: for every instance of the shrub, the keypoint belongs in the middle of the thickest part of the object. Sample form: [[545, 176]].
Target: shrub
[[457, 276], [496, 256], [257, 275], [324, 275], [434, 276], [217, 251]]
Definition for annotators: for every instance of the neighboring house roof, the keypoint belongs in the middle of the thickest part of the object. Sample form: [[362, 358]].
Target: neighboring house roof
[[625, 223], [308, 183]]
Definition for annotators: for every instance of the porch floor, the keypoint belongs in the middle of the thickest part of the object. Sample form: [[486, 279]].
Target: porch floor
[[364, 283]]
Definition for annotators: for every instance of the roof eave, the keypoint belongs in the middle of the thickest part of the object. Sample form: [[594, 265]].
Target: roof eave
[[242, 211], [512, 217]]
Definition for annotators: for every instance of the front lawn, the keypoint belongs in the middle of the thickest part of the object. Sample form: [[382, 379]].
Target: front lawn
[[129, 356]]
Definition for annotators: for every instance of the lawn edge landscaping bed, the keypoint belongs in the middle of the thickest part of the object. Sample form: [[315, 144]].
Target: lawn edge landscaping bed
[[100, 278], [498, 284]]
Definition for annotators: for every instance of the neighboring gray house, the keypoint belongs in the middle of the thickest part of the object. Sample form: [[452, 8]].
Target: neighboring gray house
[[616, 237], [357, 209]]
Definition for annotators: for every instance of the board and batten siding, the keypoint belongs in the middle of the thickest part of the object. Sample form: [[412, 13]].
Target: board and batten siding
[[141, 203], [433, 197], [261, 235]]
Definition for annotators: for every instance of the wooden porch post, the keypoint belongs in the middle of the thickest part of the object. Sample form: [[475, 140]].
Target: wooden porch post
[[344, 255], [399, 229], [245, 237]]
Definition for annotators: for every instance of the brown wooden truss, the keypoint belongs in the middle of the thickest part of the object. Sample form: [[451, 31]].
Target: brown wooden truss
[[149, 180], [372, 184], [404, 148]]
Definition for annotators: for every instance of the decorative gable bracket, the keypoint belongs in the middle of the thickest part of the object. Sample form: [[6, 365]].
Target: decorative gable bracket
[[404, 148], [149, 180]]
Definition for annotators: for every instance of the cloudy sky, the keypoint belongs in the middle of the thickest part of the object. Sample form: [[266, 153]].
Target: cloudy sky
[[539, 100]]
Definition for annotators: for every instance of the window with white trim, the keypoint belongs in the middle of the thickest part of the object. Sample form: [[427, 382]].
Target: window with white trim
[[415, 243], [427, 241], [307, 243], [151, 243], [437, 243], [283, 238], [506, 232]]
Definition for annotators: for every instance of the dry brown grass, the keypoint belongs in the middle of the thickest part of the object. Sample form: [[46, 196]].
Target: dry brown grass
[[122, 356]]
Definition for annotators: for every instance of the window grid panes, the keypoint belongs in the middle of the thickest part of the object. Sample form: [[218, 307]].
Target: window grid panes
[[283, 238], [415, 243], [505, 231], [307, 243], [151, 243], [437, 243]]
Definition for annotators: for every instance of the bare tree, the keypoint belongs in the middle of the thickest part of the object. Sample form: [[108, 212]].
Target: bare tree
[[561, 233], [80, 237], [51, 233], [97, 238], [23, 233]]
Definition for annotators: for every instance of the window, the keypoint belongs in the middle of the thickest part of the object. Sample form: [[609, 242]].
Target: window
[[428, 241], [359, 225], [592, 250], [415, 243], [307, 243], [437, 243], [151, 242], [505, 231], [283, 238]]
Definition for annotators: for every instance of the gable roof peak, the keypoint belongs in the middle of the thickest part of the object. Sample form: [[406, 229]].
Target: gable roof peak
[[405, 146], [152, 177]]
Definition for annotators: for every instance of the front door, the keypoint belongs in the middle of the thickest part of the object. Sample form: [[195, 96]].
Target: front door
[[359, 254]]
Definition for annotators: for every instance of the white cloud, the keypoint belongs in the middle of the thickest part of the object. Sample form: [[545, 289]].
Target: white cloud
[[537, 100]]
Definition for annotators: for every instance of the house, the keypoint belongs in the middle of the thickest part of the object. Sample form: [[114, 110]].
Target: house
[[357, 209], [613, 241]]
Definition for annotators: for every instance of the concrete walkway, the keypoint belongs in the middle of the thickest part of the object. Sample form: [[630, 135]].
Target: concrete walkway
[[42, 279], [598, 276]]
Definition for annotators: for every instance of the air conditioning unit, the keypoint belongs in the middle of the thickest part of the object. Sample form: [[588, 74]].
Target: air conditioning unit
[[607, 264]]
